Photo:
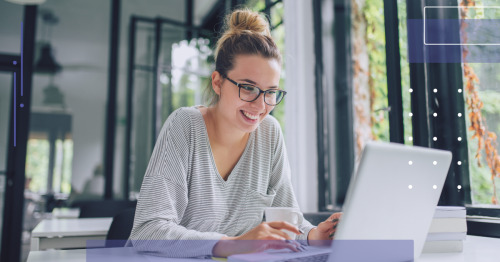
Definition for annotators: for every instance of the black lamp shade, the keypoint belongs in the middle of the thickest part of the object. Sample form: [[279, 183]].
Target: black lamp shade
[[47, 64]]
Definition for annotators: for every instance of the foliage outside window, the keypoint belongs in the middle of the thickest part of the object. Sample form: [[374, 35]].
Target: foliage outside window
[[375, 34], [482, 95], [278, 34], [373, 13], [405, 72], [37, 165], [189, 75]]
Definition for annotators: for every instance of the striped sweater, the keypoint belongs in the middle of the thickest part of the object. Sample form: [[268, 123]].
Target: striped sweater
[[183, 197]]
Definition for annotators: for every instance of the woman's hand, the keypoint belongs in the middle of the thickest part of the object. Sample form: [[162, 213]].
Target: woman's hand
[[326, 229], [267, 235]]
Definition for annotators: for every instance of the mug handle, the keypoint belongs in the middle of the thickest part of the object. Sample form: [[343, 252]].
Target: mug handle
[[299, 219]]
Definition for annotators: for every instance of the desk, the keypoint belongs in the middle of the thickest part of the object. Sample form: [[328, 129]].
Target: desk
[[118, 254], [476, 249], [64, 212], [68, 233]]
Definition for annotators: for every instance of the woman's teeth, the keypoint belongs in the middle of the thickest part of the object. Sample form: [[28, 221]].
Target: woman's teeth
[[253, 117]]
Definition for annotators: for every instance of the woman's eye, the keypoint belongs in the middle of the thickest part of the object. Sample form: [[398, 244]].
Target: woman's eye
[[248, 88]]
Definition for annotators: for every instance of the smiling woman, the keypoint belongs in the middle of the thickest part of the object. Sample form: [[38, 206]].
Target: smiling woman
[[214, 169]]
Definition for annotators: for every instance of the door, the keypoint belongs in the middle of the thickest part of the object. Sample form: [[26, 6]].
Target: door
[[14, 105]]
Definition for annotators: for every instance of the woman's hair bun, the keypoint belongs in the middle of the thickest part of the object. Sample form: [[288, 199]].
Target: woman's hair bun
[[247, 20]]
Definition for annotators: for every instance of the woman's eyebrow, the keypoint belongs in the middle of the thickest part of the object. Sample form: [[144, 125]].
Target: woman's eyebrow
[[253, 83], [248, 81]]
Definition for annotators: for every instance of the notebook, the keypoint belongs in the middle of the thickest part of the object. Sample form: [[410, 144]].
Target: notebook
[[388, 209]]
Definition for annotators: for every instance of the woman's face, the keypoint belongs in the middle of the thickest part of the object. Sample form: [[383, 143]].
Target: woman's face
[[261, 72]]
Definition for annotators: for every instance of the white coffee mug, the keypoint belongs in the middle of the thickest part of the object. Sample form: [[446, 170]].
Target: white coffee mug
[[288, 214]]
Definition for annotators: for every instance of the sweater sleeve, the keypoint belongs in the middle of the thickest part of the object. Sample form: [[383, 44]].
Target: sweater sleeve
[[281, 181], [164, 198]]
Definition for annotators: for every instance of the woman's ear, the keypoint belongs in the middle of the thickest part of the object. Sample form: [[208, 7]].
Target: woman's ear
[[216, 82]]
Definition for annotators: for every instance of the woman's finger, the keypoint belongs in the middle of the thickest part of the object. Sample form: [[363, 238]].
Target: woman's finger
[[290, 244], [277, 244], [284, 225], [335, 217]]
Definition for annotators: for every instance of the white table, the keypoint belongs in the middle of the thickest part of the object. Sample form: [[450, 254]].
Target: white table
[[65, 212], [69, 233], [476, 249], [118, 254]]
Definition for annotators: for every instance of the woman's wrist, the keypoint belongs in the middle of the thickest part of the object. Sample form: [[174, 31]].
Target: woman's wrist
[[311, 234], [223, 246]]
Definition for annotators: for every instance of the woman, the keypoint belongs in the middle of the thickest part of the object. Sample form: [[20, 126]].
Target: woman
[[214, 169]]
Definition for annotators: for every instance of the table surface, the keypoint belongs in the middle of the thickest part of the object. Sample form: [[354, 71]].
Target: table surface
[[476, 249], [72, 227], [65, 212]]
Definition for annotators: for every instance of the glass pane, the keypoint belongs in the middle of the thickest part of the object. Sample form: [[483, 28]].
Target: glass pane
[[482, 115], [190, 73], [141, 145], [371, 111], [5, 103], [405, 73], [483, 149]]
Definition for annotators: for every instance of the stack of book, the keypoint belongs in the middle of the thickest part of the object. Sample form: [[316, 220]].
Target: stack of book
[[447, 231]]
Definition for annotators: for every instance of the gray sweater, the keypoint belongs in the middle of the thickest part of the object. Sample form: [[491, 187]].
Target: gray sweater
[[183, 197]]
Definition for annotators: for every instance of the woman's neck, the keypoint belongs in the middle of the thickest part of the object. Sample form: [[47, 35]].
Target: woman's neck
[[221, 132]]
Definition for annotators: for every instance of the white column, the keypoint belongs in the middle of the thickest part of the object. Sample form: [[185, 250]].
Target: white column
[[300, 111]]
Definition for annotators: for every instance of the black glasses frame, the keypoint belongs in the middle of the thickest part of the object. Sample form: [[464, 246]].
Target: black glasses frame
[[260, 91]]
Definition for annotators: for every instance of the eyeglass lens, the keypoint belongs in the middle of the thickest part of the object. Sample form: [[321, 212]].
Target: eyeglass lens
[[250, 93]]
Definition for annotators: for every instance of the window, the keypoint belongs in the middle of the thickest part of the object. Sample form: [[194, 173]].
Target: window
[[445, 104], [482, 96]]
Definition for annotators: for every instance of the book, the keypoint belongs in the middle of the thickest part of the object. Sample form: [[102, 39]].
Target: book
[[450, 212], [443, 246], [446, 236], [439, 225]]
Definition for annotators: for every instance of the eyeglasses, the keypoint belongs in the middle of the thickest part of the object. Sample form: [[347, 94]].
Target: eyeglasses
[[250, 93]]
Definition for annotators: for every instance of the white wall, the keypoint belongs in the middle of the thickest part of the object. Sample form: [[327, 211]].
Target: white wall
[[300, 117]]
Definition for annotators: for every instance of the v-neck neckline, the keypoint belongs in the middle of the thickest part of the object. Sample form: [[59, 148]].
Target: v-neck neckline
[[233, 172]]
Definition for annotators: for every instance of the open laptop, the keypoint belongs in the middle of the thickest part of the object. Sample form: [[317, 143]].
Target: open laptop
[[388, 209]]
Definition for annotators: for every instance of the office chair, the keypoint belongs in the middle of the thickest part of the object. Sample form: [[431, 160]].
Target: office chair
[[316, 218], [102, 208], [120, 228]]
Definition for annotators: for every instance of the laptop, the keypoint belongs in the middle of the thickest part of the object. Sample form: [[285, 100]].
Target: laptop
[[388, 208]]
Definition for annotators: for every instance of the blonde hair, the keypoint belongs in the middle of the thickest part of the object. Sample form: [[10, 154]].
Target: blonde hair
[[245, 33]]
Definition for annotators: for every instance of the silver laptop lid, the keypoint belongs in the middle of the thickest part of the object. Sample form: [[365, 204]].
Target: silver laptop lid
[[393, 194]]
